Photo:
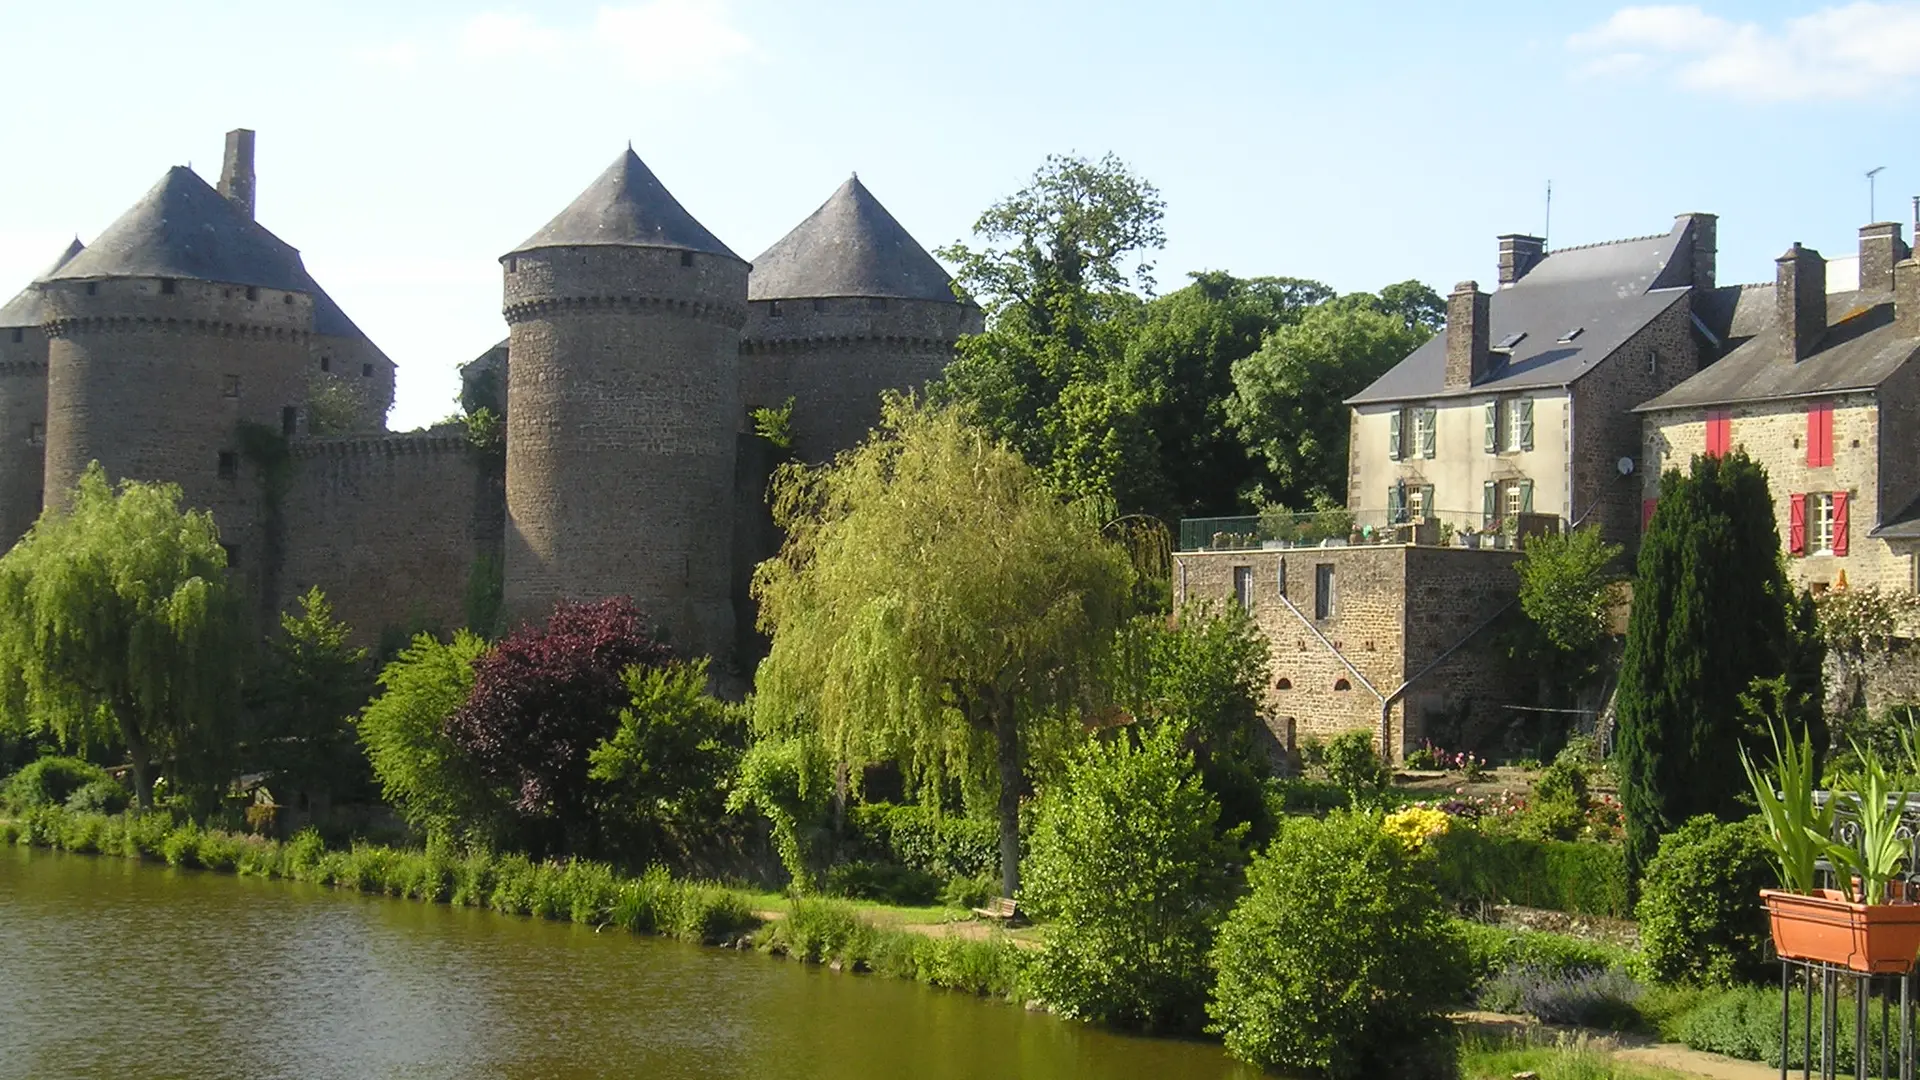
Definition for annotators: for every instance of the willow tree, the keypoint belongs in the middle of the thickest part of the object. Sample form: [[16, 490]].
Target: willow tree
[[116, 625], [933, 598]]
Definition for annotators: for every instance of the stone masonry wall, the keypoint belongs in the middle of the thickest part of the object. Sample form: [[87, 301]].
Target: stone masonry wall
[[387, 526], [1661, 356], [23, 417], [1774, 435], [357, 366], [1396, 609]]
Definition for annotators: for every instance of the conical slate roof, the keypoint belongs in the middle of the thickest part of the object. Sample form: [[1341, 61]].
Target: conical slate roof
[[24, 309], [626, 207], [182, 228], [850, 246]]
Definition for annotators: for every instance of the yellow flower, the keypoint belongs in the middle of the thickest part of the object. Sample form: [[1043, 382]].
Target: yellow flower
[[1416, 825]]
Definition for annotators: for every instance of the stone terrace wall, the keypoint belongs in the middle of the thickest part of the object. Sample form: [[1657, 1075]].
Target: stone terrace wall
[[389, 527], [1453, 594]]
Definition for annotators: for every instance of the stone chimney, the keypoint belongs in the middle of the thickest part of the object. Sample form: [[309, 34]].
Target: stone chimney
[[1703, 243], [1880, 248], [236, 170], [1906, 298], [1800, 299], [1519, 254], [1469, 347]]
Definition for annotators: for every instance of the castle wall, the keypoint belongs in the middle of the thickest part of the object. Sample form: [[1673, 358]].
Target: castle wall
[[388, 526], [836, 355], [623, 404], [356, 366], [23, 416], [153, 378]]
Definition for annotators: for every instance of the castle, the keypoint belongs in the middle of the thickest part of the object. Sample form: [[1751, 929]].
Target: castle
[[189, 344]]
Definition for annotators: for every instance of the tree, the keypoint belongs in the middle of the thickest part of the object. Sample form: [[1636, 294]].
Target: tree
[[427, 777], [1568, 585], [117, 623], [542, 700], [311, 684], [1418, 306], [1339, 959], [666, 764], [1712, 612], [933, 600], [1288, 400], [1128, 866]]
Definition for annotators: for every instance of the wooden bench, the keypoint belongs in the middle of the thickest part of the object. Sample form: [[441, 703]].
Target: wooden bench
[[1005, 908]]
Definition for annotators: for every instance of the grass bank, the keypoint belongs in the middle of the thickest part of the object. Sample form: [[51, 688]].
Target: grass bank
[[577, 890]]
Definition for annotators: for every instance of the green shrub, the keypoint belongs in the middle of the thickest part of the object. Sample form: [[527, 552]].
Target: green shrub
[[923, 839], [1339, 956], [1129, 866], [1302, 796], [1492, 949], [50, 781], [1472, 868], [1559, 805], [1355, 767], [103, 796], [825, 931], [1701, 919], [885, 882], [969, 893], [1744, 1022], [1585, 997]]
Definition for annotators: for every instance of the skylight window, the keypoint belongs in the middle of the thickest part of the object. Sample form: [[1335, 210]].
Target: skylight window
[[1507, 343], [1571, 334]]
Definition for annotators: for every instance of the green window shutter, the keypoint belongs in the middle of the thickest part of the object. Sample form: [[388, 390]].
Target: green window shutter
[[1525, 419], [1396, 503], [1427, 418], [1489, 504], [1526, 496], [1393, 433], [1493, 427], [1426, 502]]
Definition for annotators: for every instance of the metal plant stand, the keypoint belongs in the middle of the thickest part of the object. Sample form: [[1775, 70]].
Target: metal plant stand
[[1887, 1054]]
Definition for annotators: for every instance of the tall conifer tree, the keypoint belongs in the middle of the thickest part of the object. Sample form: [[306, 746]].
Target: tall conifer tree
[[1712, 611]]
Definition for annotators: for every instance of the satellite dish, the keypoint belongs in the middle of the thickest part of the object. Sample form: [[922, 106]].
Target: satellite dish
[[1625, 465]]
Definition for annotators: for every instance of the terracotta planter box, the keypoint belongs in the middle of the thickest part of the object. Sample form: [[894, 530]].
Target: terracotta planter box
[[1882, 939]]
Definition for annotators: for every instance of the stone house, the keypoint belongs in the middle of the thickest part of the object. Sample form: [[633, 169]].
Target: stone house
[[1822, 388], [1523, 404]]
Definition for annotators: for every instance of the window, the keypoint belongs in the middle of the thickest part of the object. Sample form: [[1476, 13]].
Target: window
[[326, 363], [289, 419], [1280, 575], [686, 258], [1342, 684], [1571, 334], [233, 555], [93, 288], [1394, 421], [1243, 586], [1323, 597], [1820, 434], [773, 309], [229, 386], [1513, 500], [229, 464], [1424, 422], [513, 265], [1492, 441], [166, 286], [1283, 683], [1502, 499], [1519, 433], [1419, 502], [253, 293], [366, 371], [1817, 523], [19, 335], [1719, 432]]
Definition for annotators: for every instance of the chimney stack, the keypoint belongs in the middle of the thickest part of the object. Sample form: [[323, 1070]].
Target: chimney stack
[[1469, 347], [1703, 245], [1906, 298], [1518, 254], [236, 170], [1800, 299], [1880, 248]]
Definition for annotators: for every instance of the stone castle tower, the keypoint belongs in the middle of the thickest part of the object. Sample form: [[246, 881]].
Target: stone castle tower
[[842, 308], [623, 401], [637, 343]]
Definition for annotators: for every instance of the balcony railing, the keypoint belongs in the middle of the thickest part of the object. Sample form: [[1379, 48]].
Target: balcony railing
[[1342, 528]]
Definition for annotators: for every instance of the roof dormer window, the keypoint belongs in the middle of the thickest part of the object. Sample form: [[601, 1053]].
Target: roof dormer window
[[686, 258], [1568, 337], [1507, 343]]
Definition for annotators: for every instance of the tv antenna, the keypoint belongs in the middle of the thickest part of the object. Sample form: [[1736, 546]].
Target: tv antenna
[[1546, 227], [1872, 206]]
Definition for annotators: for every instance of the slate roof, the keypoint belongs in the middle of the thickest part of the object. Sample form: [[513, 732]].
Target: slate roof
[[851, 246], [24, 308], [626, 206], [1858, 351], [182, 228], [1609, 292], [1904, 525]]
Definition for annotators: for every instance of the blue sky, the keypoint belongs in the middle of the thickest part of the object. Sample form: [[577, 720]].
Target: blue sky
[[404, 147]]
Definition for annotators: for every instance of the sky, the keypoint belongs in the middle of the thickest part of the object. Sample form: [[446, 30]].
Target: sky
[[405, 147]]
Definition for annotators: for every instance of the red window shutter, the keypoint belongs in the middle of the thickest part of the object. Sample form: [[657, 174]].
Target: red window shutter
[[1813, 435], [1646, 512], [1826, 434], [1719, 433], [1839, 523], [1820, 434], [1797, 526]]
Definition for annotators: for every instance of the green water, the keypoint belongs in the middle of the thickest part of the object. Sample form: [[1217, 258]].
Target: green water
[[112, 968]]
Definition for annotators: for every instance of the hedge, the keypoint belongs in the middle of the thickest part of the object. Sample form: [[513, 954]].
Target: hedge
[[919, 838], [1580, 877]]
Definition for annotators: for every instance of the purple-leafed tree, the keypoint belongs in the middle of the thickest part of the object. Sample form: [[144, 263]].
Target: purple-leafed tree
[[542, 700]]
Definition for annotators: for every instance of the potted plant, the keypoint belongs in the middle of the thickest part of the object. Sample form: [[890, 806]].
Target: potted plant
[[1855, 926], [1470, 537]]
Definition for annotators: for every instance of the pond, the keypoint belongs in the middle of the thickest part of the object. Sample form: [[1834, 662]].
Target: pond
[[110, 967]]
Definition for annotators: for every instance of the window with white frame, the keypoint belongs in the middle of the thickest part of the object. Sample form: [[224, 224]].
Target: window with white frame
[[1820, 522], [1416, 502], [1243, 586], [1518, 431]]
